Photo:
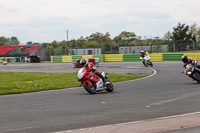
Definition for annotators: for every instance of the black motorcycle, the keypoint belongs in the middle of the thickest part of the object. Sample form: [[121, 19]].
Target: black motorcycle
[[193, 72]]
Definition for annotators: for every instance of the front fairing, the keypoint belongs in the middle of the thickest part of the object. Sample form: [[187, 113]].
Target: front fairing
[[81, 74], [84, 75], [189, 69], [147, 57]]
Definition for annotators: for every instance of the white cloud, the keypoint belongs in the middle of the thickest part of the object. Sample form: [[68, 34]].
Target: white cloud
[[48, 20]]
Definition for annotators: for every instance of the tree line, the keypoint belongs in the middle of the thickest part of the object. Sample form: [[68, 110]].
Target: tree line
[[182, 33]]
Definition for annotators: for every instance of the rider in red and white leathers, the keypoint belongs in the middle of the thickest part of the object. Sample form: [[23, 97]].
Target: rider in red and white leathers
[[91, 67]]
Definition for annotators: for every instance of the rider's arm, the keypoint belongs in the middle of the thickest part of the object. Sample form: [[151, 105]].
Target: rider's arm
[[194, 61], [189, 61]]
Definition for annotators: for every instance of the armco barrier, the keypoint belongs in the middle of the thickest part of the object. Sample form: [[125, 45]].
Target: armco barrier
[[101, 57], [3, 59], [17, 59], [172, 56], [51, 59], [87, 56], [76, 56], [7, 59], [131, 57], [193, 55], [57, 58], [156, 57], [66, 58], [113, 57], [125, 57], [14, 59], [10, 59]]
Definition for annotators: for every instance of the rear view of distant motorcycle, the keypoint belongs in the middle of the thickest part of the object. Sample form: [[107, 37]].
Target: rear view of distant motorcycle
[[192, 72], [146, 59], [191, 68]]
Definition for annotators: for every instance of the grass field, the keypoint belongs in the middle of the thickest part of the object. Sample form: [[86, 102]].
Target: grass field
[[24, 82]]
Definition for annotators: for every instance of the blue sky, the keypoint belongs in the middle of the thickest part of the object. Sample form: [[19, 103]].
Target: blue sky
[[47, 20]]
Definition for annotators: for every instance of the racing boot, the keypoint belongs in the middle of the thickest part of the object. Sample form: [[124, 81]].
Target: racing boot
[[106, 81]]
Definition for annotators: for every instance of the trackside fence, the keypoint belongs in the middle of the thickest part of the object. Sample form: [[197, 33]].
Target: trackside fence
[[127, 57]]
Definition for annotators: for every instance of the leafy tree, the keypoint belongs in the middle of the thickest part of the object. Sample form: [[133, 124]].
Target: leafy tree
[[125, 38], [36, 43], [81, 42], [130, 36], [117, 40], [3, 40], [135, 42], [167, 36], [29, 43], [105, 39], [193, 30], [73, 43], [180, 33], [95, 37], [106, 42], [63, 44], [54, 44], [14, 41], [49, 46], [91, 44]]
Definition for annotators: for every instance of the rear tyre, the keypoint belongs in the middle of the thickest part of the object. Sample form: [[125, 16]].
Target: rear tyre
[[88, 88], [110, 87], [196, 77]]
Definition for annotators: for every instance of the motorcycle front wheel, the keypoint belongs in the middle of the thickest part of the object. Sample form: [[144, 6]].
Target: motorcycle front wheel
[[110, 87], [144, 63], [151, 64], [88, 88]]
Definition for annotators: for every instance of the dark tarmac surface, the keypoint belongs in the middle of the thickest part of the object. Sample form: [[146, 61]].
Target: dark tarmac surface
[[168, 93], [67, 67]]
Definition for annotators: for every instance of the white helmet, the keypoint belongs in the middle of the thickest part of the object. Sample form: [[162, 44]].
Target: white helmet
[[83, 62]]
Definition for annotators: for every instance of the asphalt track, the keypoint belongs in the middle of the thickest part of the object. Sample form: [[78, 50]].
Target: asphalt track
[[167, 93]]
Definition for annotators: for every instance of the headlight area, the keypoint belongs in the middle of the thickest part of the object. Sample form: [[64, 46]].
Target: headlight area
[[189, 73]]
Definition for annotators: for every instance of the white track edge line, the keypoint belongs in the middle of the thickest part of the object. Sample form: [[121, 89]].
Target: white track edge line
[[134, 122]]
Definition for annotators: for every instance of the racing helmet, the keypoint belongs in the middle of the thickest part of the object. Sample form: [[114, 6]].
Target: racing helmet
[[142, 51], [184, 58], [83, 62]]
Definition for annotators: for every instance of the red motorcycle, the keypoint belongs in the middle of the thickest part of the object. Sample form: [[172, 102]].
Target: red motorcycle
[[93, 83]]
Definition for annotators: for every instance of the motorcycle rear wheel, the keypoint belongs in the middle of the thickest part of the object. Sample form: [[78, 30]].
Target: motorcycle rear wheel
[[88, 88], [195, 77]]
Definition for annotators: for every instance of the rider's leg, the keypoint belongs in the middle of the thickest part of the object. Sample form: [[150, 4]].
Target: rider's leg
[[103, 78]]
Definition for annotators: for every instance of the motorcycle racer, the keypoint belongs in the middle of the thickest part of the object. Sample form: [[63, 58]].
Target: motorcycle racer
[[187, 61], [142, 54], [90, 67]]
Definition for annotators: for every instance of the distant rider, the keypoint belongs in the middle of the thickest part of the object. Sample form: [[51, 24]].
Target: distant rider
[[142, 54], [90, 67], [187, 61]]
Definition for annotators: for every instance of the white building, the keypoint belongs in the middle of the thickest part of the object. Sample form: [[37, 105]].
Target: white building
[[136, 49]]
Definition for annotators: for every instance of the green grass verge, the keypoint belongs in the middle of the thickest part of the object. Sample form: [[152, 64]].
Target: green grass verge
[[23, 82]]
